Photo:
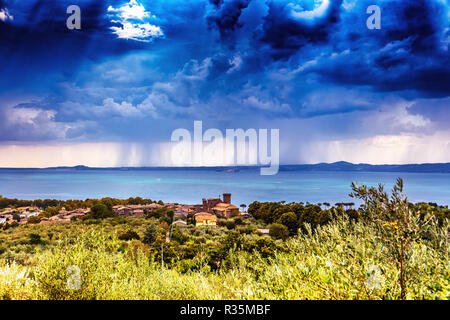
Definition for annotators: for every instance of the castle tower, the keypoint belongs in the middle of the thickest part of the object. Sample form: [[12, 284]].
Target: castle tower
[[227, 198]]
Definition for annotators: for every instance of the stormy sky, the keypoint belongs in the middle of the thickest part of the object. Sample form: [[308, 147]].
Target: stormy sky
[[111, 93]]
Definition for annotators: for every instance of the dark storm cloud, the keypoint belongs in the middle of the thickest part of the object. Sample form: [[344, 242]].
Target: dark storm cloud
[[412, 43], [225, 61], [38, 42], [226, 17], [416, 19], [286, 34], [280, 29], [410, 53]]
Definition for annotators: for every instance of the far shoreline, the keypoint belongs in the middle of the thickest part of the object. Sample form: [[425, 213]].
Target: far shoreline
[[340, 166]]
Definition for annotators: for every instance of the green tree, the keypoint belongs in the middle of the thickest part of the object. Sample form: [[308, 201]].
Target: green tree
[[239, 221], [34, 220], [35, 238], [230, 224], [278, 231], [253, 209], [108, 203], [163, 214], [190, 219], [51, 211], [289, 219], [397, 224], [150, 235], [129, 235], [177, 235], [265, 246], [101, 211]]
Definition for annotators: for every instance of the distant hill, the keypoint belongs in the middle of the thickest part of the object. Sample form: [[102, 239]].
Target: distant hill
[[336, 166], [70, 168], [346, 166]]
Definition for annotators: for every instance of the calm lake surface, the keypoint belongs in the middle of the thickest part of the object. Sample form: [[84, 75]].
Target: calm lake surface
[[187, 186]]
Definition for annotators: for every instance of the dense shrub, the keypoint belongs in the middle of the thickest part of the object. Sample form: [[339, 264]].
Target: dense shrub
[[34, 220], [35, 238], [230, 224], [11, 225], [101, 211], [163, 214], [129, 235], [238, 221], [278, 231], [246, 229], [178, 235], [51, 211], [289, 219], [262, 245], [150, 235]]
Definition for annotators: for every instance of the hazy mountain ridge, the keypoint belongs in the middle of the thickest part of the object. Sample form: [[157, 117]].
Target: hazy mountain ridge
[[336, 166]]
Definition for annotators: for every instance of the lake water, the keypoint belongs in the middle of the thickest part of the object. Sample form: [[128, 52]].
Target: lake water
[[190, 186]]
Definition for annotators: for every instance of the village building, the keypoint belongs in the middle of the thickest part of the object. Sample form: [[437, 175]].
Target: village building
[[226, 210], [205, 219], [197, 208], [29, 209], [209, 204], [172, 206], [122, 210], [78, 213], [26, 212], [55, 219], [152, 206], [181, 212], [137, 210], [27, 215], [180, 223], [185, 210], [7, 218], [7, 211], [138, 213], [221, 207], [65, 216]]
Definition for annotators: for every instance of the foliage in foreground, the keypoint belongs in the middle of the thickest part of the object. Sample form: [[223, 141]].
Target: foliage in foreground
[[389, 250], [337, 261]]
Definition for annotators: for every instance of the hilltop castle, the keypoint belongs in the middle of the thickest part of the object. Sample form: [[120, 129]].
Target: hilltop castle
[[220, 207]]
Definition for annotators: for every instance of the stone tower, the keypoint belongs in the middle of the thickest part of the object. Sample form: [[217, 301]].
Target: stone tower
[[227, 198]]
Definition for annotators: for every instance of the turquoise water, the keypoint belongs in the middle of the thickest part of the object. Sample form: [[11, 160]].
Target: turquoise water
[[186, 186]]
